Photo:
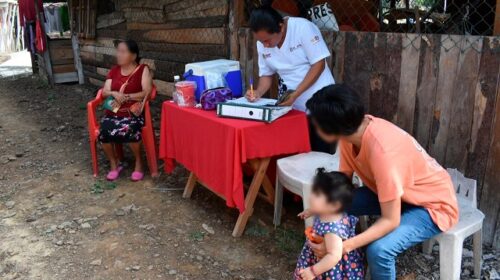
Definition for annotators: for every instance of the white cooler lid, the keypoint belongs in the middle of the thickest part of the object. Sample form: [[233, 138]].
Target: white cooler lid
[[199, 68]]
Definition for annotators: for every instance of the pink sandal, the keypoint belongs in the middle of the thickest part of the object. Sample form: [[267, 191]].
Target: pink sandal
[[137, 176], [114, 174]]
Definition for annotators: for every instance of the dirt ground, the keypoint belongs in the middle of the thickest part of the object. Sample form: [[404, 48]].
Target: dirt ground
[[58, 222]]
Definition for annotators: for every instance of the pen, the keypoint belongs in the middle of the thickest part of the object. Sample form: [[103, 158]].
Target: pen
[[251, 87]]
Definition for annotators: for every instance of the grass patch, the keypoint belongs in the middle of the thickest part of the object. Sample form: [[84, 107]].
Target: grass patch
[[257, 231], [197, 236], [51, 98], [288, 240], [42, 83], [100, 187]]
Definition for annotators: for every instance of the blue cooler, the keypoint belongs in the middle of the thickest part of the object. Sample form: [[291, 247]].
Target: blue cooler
[[221, 71]]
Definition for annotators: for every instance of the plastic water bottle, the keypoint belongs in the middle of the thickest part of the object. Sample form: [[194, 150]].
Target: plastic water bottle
[[175, 95]]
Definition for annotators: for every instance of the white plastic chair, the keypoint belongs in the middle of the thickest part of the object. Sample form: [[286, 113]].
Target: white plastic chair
[[470, 223], [296, 174]]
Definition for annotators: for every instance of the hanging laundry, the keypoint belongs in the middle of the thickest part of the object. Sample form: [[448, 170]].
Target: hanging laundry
[[27, 10], [52, 23], [29, 36], [32, 34], [57, 18], [27, 19], [64, 14], [40, 37]]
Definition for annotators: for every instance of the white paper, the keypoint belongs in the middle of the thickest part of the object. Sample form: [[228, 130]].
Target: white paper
[[258, 102]]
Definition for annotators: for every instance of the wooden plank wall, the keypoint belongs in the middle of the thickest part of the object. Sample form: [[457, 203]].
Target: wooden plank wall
[[169, 33], [444, 90]]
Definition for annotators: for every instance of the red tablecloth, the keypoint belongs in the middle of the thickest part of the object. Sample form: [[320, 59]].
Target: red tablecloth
[[214, 148]]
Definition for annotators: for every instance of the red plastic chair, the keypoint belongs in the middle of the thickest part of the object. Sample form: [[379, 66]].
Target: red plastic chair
[[148, 136]]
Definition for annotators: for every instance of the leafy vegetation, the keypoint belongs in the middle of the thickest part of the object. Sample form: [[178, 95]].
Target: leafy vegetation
[[197, 236], [100, 187]]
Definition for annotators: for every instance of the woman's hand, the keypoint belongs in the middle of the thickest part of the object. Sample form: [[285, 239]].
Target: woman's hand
[[346, 247], [119, 97], [305, 214], [318, 249], [136, 110], [290, 100], [253, 97], [307, 274]]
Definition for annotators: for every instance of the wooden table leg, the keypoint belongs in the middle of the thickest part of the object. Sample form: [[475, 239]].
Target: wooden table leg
[[266, 182], [252, 193], [191, 183], [268, 188]]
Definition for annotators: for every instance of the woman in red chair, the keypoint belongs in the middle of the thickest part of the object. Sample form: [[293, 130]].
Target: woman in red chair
[[128, 82]]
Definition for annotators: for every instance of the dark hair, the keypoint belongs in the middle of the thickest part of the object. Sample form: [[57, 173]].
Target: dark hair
[[336, 186], [337, 109], [132, 47], [265, 18]]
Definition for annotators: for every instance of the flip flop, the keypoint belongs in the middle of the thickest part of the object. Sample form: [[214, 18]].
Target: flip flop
[[137, 176], [114, 174]]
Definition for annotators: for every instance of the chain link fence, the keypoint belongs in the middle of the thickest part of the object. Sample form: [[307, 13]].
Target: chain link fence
[[469, 18]]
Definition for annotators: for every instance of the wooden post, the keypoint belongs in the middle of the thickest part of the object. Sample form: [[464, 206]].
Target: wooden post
[[80, 19], [381, 13], [236, 10], [46, 53], [71, 16], [246, 53], [77, 59], [75, 44], [418, 29], [87, 20], [48, 65], [496, 30]]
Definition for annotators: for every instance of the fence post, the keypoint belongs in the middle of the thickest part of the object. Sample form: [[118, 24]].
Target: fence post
[[236, 10], [496, 30]]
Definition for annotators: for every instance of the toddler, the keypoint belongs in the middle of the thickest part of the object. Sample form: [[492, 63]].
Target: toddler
[[331, 195]]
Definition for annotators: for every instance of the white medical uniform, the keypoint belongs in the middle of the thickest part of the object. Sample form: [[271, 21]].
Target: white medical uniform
[[303, 46]]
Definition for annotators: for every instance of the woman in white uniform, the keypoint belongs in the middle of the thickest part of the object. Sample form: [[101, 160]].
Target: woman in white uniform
[[294, 49]]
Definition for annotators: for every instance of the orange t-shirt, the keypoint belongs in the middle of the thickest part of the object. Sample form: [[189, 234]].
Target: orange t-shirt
[[392, 164]]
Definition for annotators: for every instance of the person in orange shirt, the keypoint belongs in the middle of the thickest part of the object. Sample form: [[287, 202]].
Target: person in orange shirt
[[411, 192]]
